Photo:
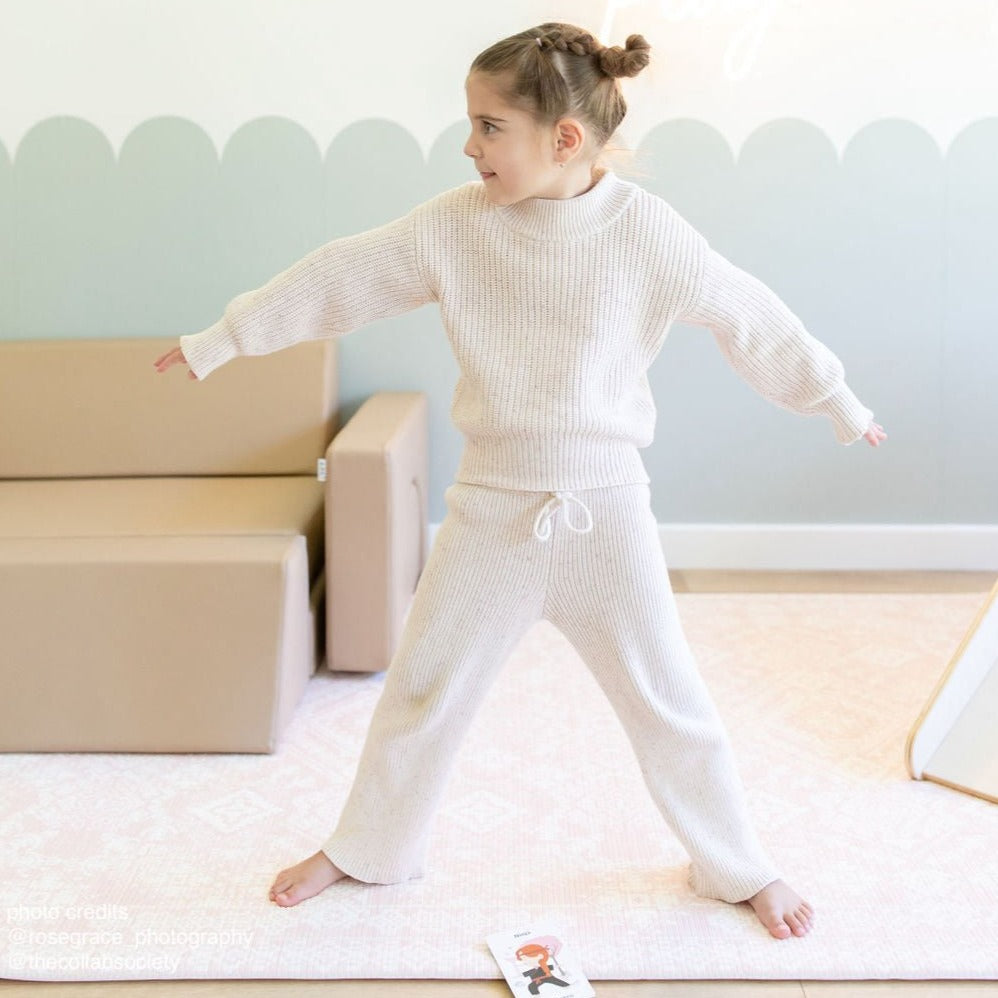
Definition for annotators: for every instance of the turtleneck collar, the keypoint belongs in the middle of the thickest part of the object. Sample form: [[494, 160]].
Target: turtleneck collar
[[569, 218]]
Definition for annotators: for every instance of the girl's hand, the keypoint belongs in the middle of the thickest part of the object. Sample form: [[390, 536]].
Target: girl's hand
[[175, 356], [875, 434]]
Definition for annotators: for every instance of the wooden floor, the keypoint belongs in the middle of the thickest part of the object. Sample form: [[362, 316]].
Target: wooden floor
[[704, 581], [682, 581], [496, 989]]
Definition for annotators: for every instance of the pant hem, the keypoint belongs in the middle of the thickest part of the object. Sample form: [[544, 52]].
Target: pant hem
[[744, 889], [365, 876]]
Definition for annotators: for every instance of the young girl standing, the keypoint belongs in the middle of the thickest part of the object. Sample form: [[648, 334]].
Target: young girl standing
[[557, 283]]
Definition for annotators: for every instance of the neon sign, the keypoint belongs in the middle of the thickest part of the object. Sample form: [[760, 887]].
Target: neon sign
[[743, 47]]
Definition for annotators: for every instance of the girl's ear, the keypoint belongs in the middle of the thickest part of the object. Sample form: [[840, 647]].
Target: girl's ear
[[570, 138]]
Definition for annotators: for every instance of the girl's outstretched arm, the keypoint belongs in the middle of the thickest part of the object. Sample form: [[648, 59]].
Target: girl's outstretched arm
[[337, 288], [769, 348]]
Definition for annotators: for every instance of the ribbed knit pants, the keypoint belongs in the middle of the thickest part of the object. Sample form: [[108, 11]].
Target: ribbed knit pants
[[591, 563]]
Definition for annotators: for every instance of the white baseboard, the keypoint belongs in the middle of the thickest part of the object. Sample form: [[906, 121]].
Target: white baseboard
[[822, 547], [825, 547]]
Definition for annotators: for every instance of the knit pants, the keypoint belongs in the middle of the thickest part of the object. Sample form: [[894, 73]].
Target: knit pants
[[591, 563]]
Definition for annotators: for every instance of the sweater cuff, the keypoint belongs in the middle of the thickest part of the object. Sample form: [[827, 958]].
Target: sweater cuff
[[209, 349], [850, 417]]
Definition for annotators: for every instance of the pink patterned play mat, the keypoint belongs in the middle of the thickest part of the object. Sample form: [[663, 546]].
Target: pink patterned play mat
[[148, 867]]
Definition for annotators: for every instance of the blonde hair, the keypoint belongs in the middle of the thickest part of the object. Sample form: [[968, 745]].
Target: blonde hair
[[556, 70]]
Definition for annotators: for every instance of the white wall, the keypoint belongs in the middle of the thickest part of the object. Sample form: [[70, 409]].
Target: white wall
[[734, 64]]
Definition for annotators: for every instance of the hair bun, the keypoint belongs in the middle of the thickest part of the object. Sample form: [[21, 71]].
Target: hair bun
[[627, 61]]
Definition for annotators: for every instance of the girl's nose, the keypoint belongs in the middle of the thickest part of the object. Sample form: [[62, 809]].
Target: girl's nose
[[469, 149]]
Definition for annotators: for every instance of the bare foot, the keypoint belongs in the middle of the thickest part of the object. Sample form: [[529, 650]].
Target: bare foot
[[782, 910], [305, 880]]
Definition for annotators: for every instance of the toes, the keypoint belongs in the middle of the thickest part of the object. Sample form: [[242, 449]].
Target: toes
[[784, 913], [289, 897], [779, 928], [281, 887]]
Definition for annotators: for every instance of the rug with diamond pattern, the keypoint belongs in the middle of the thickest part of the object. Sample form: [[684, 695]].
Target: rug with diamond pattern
[[148, 867]]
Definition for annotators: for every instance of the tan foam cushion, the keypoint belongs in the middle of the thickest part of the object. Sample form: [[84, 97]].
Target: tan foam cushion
[[376, 543], [165, 508], [96, 408], [153, 644]]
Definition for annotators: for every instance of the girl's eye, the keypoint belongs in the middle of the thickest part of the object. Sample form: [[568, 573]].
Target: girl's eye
[[487, 125]]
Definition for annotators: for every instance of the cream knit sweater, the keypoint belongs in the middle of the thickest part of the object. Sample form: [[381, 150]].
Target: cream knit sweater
[[555, 309]]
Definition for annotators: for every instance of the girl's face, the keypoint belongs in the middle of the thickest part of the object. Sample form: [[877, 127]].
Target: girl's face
[[515, 157]]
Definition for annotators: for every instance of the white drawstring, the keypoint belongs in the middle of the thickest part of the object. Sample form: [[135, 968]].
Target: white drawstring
[[542, 525]]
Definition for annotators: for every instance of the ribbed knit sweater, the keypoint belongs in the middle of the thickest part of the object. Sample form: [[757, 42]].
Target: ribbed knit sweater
[[554, 309]]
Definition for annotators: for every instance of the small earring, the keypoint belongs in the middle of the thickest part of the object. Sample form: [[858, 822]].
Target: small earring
[[561, 165]]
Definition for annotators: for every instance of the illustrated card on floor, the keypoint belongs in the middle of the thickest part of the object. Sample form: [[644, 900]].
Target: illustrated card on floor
[[537, 961]]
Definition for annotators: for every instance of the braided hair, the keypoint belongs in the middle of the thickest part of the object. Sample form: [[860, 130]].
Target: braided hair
[[613, 62], [556, 70]]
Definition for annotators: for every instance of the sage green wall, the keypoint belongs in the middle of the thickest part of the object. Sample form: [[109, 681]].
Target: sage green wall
[[887, 254]]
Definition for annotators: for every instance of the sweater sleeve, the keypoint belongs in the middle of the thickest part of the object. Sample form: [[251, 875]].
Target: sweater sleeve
[[769, 348], [331, 291]]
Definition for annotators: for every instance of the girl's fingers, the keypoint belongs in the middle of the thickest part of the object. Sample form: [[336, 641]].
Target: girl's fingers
[[174, 356], [875, 434]]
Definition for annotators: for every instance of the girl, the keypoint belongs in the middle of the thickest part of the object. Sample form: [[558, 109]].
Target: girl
[[557, 282]]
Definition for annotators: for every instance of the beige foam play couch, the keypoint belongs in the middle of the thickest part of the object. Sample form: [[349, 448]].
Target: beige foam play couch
[[172, 570]]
